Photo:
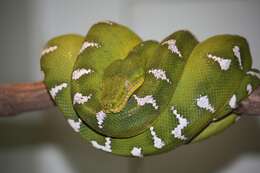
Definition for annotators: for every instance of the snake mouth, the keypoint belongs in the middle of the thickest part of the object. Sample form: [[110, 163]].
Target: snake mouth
[[114, 103]]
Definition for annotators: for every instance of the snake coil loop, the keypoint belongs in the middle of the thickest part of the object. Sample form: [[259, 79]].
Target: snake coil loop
[[134, 98]]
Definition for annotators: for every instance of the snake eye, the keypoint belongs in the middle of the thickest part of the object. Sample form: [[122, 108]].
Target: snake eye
[[127, 83]]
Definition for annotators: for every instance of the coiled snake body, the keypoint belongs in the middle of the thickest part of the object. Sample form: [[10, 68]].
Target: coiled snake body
[[134, 98]]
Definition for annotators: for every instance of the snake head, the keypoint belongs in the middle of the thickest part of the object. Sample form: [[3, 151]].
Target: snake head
[[116, 92]]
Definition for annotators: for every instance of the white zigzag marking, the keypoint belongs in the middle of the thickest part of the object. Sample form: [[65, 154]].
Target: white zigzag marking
[[172, 46], [236, 52], [237, 118], [107, 22], [137, 152], [183, 122], [252, 73], [106, 147], [233, 102], [157, 142], [159, 74], [75, 125], [100, 116], [87, 44], [203, 102], [57, 88], [146, 100], [80, 99], [249, 88], [224, 63], [49, 50], [80, 72]]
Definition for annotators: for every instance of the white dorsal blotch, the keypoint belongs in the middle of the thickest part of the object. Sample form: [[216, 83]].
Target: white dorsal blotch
[[249, 88], [183, 122], [237, 118], [253, 73], [137, 152], [106, 147], [57, 88], [87, 44], [233, 101], [107, 22], [203, 102], [80, 99], [223, 63], [80, 72], [42, 73], [157, 142], [236, 51], [159, 74], [100, 116], [74, 124], [146, 100], [49, 50], [172, 46]]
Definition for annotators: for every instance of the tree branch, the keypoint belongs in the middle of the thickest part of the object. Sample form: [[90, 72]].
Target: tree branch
[[251, 105], [18, 98]]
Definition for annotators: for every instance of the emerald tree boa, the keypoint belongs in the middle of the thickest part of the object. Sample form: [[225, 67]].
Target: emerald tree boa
[[134, 98]]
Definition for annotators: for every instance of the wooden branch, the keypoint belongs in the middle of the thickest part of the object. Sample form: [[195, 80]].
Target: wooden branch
[[251, 105], [18, 98]]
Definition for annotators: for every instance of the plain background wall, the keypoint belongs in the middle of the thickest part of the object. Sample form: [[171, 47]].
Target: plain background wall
[[43, 142]]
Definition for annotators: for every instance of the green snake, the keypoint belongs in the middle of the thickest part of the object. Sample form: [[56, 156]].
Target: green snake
[[134, 98]]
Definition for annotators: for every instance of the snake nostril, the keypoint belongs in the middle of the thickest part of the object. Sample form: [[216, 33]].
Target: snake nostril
[[107, 106]]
